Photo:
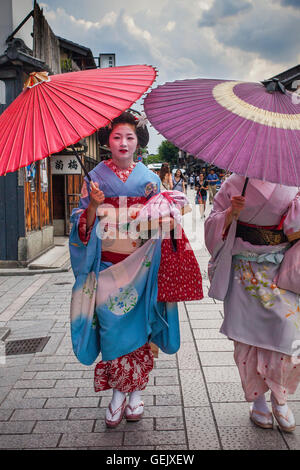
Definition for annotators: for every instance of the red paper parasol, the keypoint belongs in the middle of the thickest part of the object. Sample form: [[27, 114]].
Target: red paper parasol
[[54, 112], [252, 129]]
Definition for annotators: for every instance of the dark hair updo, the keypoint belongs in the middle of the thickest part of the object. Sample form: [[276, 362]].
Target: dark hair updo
[[125, 118]]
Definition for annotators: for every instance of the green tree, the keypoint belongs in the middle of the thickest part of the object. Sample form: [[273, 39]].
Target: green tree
[[168, 152], [152, 159]]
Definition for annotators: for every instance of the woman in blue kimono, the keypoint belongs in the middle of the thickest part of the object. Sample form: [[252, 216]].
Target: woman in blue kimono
[[114, 308]]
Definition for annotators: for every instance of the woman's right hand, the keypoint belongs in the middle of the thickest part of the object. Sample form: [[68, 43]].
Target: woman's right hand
[[233, 212], [237, 205], [96, 195]]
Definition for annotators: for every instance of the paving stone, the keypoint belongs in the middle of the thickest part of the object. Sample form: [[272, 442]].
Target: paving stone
[[187, 356], [166, 400], [211, 333], [226, 392], [123, 448], [206, 324], [200, 428], [172, 424], [88, 392], [154, 438], [11, 372], [185, 332], [161, 390], [3, 393], [182, 312], [232, 414], [251, 438], [35, 384], [164, 373], [38, 414], [214, 358], [15, 427], [63, 426], [59, 374], [193, 388], [162, 411], [293, 439], [214, 345], [162, 364], [221, 374], [31, 441], [5, 414], [28, 375], [77, 440], [86, 413], [71, 402], [24, 403], [51, 392], [204, 305], [62, 383], [203, 315], [172, 380], [172, 447]]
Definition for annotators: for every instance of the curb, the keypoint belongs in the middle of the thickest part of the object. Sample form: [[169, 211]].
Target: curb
[[32, 272]]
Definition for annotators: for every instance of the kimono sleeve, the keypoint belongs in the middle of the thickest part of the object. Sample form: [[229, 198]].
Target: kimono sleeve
[[83, 253], [291, 225], [78, 216], [214, 224]]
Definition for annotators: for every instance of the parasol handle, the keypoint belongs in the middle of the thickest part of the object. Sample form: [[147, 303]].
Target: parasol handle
[[80, 162], [235, 215], [245, 186]]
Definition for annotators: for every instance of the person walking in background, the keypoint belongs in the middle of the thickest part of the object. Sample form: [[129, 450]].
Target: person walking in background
[[192, 180], [212, 180], [165, 177], [178, 181], [248, 239], [201, 194]]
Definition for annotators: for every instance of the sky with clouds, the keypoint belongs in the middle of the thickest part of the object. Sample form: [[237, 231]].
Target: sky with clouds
[[247, 40]]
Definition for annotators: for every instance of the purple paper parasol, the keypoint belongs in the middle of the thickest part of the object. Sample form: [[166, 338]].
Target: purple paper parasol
[[238, 126]]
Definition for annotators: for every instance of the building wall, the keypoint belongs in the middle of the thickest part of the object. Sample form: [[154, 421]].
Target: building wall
[[12, 13], [45, 43]]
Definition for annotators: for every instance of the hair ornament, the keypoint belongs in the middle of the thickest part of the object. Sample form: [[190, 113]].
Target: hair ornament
[[142, 120]]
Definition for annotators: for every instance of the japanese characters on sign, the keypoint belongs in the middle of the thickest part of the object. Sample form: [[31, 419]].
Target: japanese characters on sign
[[65, 165]]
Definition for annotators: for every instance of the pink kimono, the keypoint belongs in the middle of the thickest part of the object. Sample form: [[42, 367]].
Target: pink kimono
[[262, 319]]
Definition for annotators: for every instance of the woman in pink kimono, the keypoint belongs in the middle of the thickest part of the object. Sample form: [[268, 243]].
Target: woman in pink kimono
[[247, 238]]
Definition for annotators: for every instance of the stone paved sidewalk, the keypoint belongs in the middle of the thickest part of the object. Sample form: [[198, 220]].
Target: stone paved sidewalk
[[194, 399]]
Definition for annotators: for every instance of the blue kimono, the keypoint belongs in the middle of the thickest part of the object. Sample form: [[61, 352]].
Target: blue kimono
[[114, 308]]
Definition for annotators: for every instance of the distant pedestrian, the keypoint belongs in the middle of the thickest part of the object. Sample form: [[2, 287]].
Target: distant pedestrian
[[178, 181], [192, 180], [201, 194], [165, 177], [212, 180]]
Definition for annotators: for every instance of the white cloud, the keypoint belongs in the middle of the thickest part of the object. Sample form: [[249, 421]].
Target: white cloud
[[135, 30], [170, 26]]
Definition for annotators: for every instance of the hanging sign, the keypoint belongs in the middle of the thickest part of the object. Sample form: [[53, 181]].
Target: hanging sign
[[65, 165]]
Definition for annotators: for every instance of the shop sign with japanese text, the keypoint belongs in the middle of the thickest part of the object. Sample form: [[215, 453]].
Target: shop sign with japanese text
[[65, 165]]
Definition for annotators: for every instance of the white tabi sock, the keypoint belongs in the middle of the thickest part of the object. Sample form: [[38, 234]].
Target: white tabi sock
[[260, 404], [117, 399], [135, 398]]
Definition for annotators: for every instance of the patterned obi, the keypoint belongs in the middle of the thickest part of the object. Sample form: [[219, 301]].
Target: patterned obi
[[260, 235]]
